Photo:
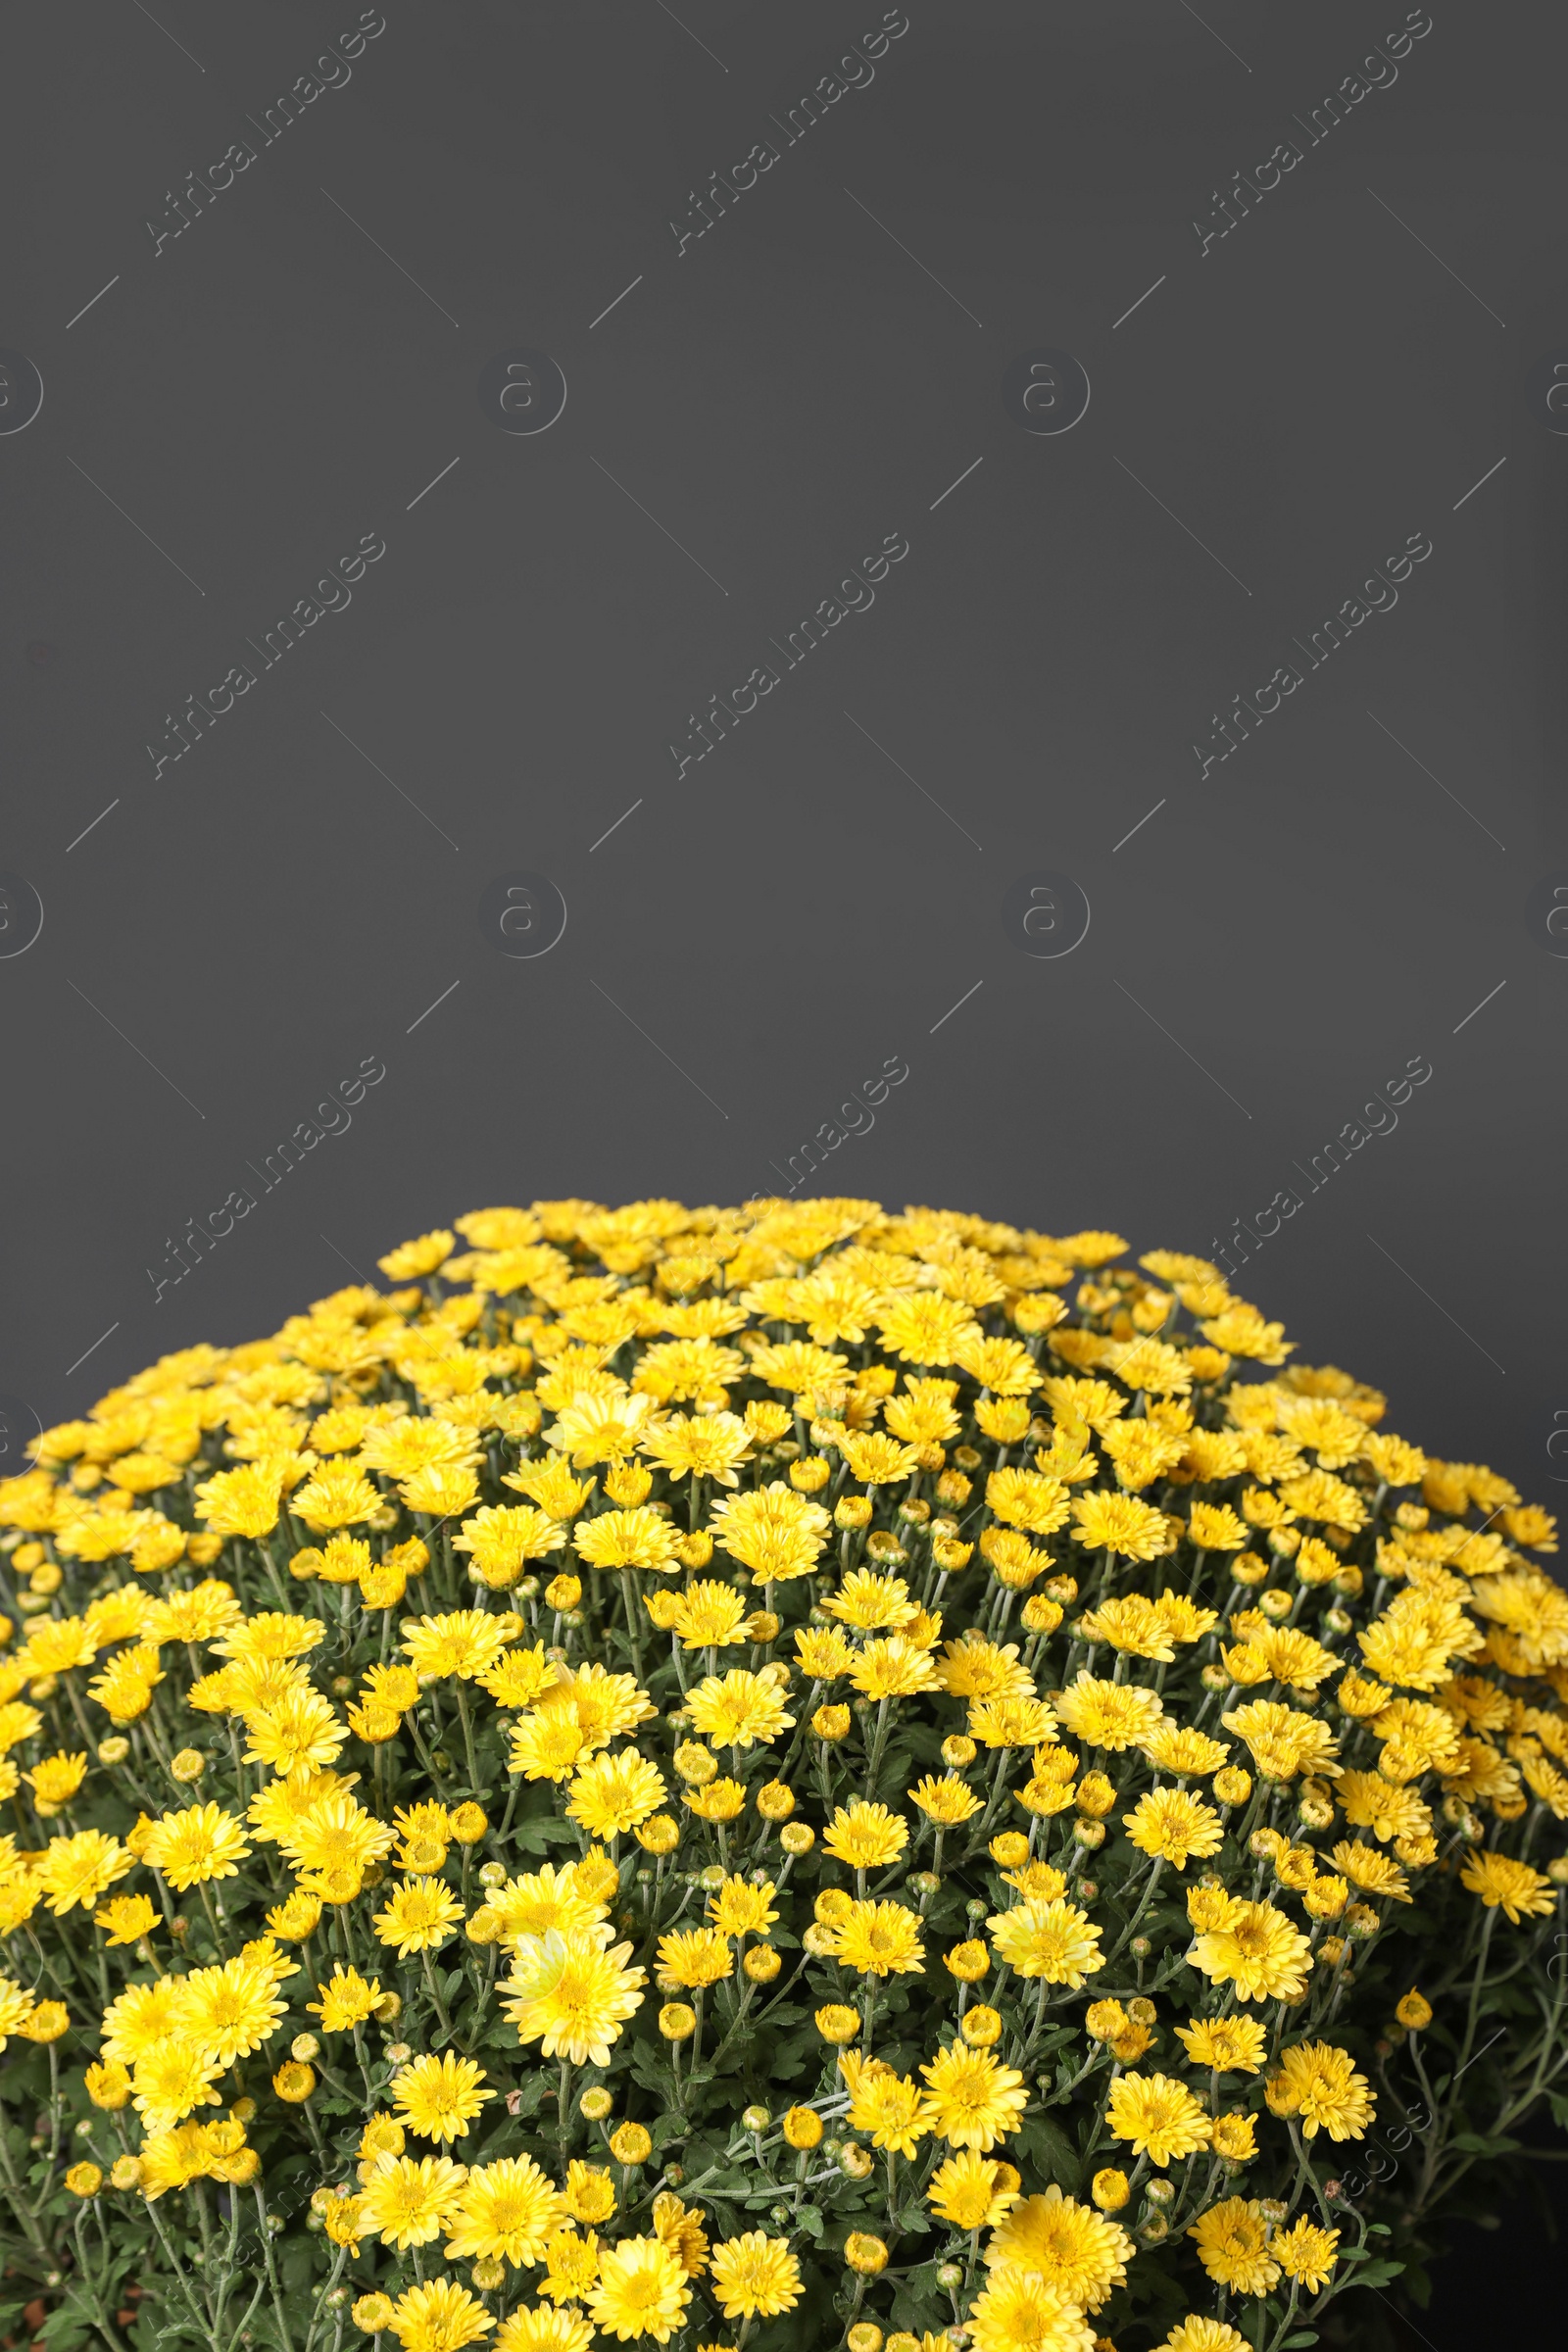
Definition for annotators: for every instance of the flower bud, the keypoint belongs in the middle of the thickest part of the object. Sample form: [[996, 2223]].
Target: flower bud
[[1096, 1794], [631, 2144], [863, 2252], [1109, 2189], [810, 1474], [797, 1838], [596, 2104], [107, 2085], [677, 2021]]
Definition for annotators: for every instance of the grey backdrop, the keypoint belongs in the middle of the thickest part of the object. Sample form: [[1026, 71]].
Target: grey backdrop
[[1289, 384]]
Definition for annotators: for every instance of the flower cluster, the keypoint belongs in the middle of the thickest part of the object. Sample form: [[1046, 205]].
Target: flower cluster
[[784, 1775]]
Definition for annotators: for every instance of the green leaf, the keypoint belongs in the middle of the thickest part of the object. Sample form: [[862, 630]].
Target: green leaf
[[650, 2068], [809, 2219], [1302, 2336], [919, 2304], [543, 1830], [1378, 2272], [530, 2091], [1050, 2148], [64, 2327]]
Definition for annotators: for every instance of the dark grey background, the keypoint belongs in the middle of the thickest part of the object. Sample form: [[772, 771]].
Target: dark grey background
[[761, 933]]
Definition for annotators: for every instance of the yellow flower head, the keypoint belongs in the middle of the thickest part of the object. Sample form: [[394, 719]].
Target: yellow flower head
[[203, 1842], [865, 1836], [756, 2276], [739, 1709], [438, 2316], [1256, 1948], [508, 2211], [694, 1957], [1174, 1824], [439, 2097], [1159, 2117], [589, 2192], [613, 1793], [1048, 1939], [641, 2291], [1019, 2309], [572, 1994], [1319, 2083], [75, 1872], [1069, 2245], [973, 2100], [408, 2200], [420, 1915], [1231, 2240]]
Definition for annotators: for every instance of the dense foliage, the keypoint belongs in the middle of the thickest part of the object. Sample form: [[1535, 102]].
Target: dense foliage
[[770, 1774]]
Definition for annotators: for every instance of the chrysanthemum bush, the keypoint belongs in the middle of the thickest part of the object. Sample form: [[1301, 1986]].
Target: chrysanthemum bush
[[789, 1774]]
